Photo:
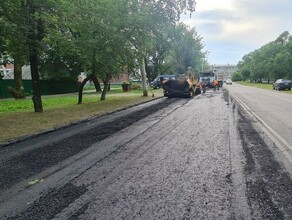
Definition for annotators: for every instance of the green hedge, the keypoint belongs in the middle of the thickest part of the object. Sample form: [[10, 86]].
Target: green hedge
[[48, 87]]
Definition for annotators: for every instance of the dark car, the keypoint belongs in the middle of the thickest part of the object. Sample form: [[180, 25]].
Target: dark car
[[156, 83], [282, 84]]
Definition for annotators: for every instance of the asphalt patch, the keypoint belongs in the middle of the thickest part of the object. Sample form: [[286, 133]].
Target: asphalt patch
[[47, 206], [23, 166], [268, 184]]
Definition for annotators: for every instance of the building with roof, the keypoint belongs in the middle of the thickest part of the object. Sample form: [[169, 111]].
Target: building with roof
[[7, 72], [228, 70]]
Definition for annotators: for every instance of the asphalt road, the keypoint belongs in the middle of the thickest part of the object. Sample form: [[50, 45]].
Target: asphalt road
[[199, 158], [273, 109]]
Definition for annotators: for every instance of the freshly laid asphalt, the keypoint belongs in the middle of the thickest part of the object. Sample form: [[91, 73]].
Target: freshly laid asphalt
[[198, 158]]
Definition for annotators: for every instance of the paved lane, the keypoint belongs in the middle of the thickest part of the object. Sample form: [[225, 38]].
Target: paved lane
[[197, 158], [272, 108], [173, 164]]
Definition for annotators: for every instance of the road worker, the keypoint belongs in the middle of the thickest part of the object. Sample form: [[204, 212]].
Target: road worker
[[215, 84]]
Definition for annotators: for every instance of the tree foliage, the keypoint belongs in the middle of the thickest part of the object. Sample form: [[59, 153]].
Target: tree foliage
[[26, 22], [237, 76], [270, 62], [187, 50], [177, 48], [99, 37]]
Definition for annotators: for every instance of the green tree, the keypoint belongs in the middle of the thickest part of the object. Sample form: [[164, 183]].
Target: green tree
[[187, 50], [27, 20], [93, 34], [158, 52], [271, 61], [237, 76], [14, 34], [245, 74], [147, 18]]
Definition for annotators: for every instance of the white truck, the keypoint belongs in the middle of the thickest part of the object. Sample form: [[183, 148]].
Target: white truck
[[220, 78]]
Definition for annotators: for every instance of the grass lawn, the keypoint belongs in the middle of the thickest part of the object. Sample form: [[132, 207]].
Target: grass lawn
[[268, 86], [18, 120]]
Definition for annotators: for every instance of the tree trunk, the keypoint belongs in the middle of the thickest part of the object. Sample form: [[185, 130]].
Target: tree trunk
[[96, 84], [18, 91], [82, 84], [103, 94], [105, 87], [80, 90], [37, 100], [143, 75], [35, 36]]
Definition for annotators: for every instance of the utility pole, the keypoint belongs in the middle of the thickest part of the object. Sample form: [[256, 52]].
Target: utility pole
[[203, 61]]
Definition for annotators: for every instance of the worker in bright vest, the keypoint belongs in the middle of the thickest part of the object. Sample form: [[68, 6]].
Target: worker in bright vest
[[216, 84]]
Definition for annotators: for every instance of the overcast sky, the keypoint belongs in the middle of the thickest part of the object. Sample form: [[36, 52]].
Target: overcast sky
[[233, 28]]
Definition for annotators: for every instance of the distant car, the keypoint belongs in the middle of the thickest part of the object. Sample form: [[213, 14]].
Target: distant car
[[156, 83], [282, 84], [228, 82]]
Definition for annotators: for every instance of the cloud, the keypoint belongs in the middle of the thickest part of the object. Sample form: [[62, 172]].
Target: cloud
[[239, 26], [271, 8], [205, 5]]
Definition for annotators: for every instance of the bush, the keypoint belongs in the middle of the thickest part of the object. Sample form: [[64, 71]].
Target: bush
[[237, 77], [126, 83], [136, 86]]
